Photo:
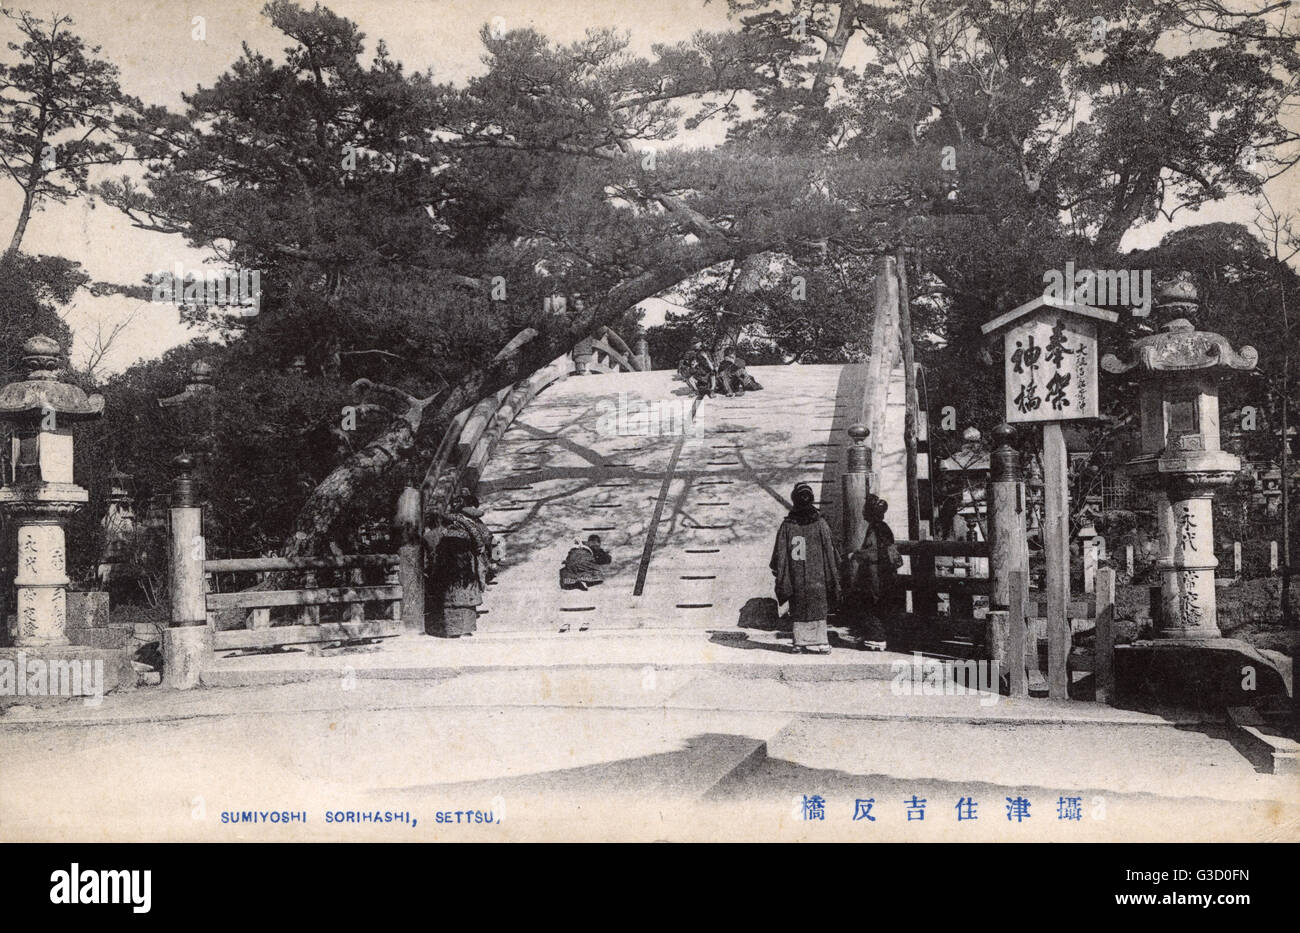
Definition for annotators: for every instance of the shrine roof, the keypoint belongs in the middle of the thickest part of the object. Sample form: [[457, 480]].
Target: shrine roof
[[1045, 301]]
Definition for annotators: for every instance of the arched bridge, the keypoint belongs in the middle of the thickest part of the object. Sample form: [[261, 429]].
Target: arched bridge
[[685, 495]]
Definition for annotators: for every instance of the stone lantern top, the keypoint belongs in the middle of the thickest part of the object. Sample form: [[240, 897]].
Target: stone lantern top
[[200, 382], [42, 392], [1178, 297], [1180, 347]]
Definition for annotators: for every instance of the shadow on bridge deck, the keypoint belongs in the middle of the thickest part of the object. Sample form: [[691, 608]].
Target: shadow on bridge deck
[[686, 497]]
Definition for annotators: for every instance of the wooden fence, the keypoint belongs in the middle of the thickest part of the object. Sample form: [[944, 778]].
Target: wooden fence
[[306, 601], [1038, 650], [398, 600]]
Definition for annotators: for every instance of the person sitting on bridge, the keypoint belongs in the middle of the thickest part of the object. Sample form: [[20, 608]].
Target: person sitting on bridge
[[805, 566], [734, 377], [703, 372], [581, 567], [876, 596], [459, 548], [684, 367]]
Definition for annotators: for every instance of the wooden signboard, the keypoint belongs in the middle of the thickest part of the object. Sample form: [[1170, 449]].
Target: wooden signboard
[[1050, 359], [1050, 365], [1050, 368]]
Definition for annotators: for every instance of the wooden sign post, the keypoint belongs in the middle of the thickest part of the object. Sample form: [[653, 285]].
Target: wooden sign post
[[1050, 376]]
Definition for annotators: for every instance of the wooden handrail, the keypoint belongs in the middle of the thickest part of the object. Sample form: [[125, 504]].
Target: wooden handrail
[[944, 548], [959, 586], [268, 564], [266, 599], [612, 339], [623, 361]]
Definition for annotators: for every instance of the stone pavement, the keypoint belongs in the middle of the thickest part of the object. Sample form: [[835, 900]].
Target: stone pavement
[[652, 744]]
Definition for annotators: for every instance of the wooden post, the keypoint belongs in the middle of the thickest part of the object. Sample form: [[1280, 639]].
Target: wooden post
[[187, 642], [1056, 538], [1236, 558], [911, 401], [1016, 633], [1089, 552], [309, 615], [855, 484], [356, 612], [411, 566], [258, 618], [1272, 557], [925, 599], [884, 345], [1103, 665], [1128, 560], [392, 576], [1008, 549]]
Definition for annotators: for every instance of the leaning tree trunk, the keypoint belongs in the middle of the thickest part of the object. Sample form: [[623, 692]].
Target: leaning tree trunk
[[423, 418], [328, 500]]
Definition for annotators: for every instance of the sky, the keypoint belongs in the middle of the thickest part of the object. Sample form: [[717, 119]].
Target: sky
[[152, 42]]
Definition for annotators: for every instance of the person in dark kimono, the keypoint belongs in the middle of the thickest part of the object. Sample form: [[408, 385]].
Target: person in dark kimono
[[704, 372], [459, 548], [581, 567], [805, 566], [734, 377], [876, 596]]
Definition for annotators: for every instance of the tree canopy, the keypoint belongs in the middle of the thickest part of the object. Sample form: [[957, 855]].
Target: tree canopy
[[406, 230]]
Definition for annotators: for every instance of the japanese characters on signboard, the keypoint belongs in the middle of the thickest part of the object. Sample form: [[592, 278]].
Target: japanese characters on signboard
[[1050, 364]]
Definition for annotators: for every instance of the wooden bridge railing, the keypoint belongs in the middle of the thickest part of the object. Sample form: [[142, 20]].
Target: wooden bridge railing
[[192, 634], [258, 632], [1016, 624]]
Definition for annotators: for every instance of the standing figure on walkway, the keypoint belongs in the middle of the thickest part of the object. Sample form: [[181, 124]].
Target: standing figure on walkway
[[876, 598], [459, 553], [805, 566], [581, 567]]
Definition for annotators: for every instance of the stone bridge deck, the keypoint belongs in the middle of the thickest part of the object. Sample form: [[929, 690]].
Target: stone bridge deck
[[686, 497]]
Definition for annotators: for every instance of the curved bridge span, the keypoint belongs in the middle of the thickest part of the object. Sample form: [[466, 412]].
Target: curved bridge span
[[685, 495]]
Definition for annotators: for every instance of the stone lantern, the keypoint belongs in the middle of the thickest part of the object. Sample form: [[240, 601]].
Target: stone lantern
[[969, 467], [1271, 488], [119, 524], [1034, 494], [43, 495], [1178, 370]]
